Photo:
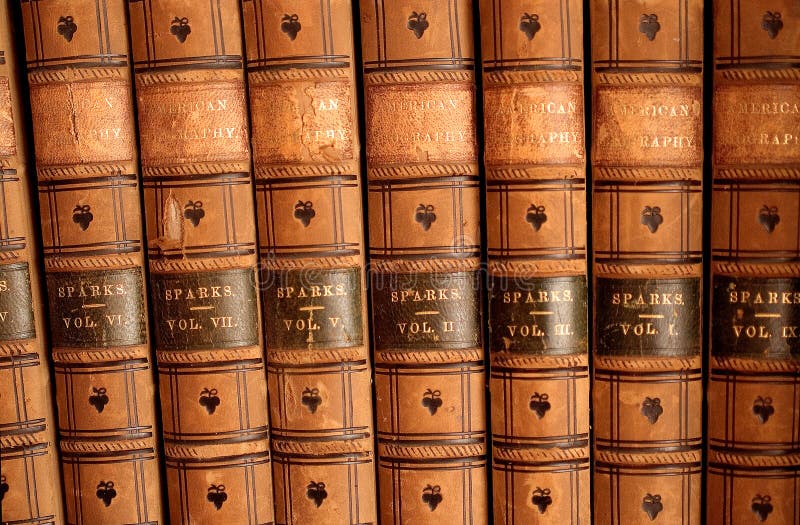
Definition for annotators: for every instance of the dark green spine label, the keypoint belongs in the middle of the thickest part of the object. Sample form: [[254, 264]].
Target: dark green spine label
[[426, 310], [648, 317], [97, 309], [313, 308], [539, 315], [204, 310], [756, 317], [16, 304]]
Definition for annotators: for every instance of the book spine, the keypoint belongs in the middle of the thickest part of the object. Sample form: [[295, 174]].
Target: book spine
[[536, 234], [30, 482], [754, 382], [200, 218], [86, 163], [647, 219], [424, 237], [308, 193]]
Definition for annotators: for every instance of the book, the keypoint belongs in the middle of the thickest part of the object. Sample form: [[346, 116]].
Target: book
[[425, 245], [536, 236], [30, 482], [647, 234], [306, 157], [84, 136], [200, 220], [754, 379]]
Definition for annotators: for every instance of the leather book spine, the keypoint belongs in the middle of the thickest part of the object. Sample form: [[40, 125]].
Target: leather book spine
[[200, 219], [424, 243], [753, 465], [647, 221], [306, 157], [30, 482], [79, 73], [536, 235]]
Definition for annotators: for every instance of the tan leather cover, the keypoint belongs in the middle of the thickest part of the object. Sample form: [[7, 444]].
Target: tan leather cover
[[647, 156], [86, 160], [198, 194], [536, 220], [308, 192], [30, 484], [424, 237], [753, 415]]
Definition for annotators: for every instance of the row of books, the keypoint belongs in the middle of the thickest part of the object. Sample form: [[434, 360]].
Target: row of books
[[206, 320]]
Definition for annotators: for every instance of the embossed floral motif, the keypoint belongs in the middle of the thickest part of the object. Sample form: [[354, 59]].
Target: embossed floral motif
[[67, 27], [432, 496], [311, 399], [539, 404], [536, 216], [652, 218], [209, 400], [216, 494], [649, 25], [82, 216], [106, 492], [529, 24], [772, 23], [180, 28], [98, 399], [651, 505], [768, 217], [432, 400], [652, 409], [193, 211], [761, 506], [418, 23], [290, 25], [304, 212], [542, 499], [425, 216], [316, 492], [763, 409]]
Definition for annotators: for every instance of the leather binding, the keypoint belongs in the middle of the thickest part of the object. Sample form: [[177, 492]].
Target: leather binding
[[306, 158], [30, 484], [647, 158], [753, 416], [200, 219], [424, 237], [536, 213], [86, 161]]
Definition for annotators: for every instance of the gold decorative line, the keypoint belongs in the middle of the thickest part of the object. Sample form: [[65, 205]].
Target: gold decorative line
[[197, 308], [270, 76], [518, 77], [759, 74], [669, 79], [770, 316], [651, 316], [428, 312]]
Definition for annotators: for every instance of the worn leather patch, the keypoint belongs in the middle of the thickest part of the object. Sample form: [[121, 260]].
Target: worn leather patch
[[97, 309], [420, 311], [8, 138], [201, 310], [16, 313], [756, 317], [539, 315], [313, 308], [647, 317]]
